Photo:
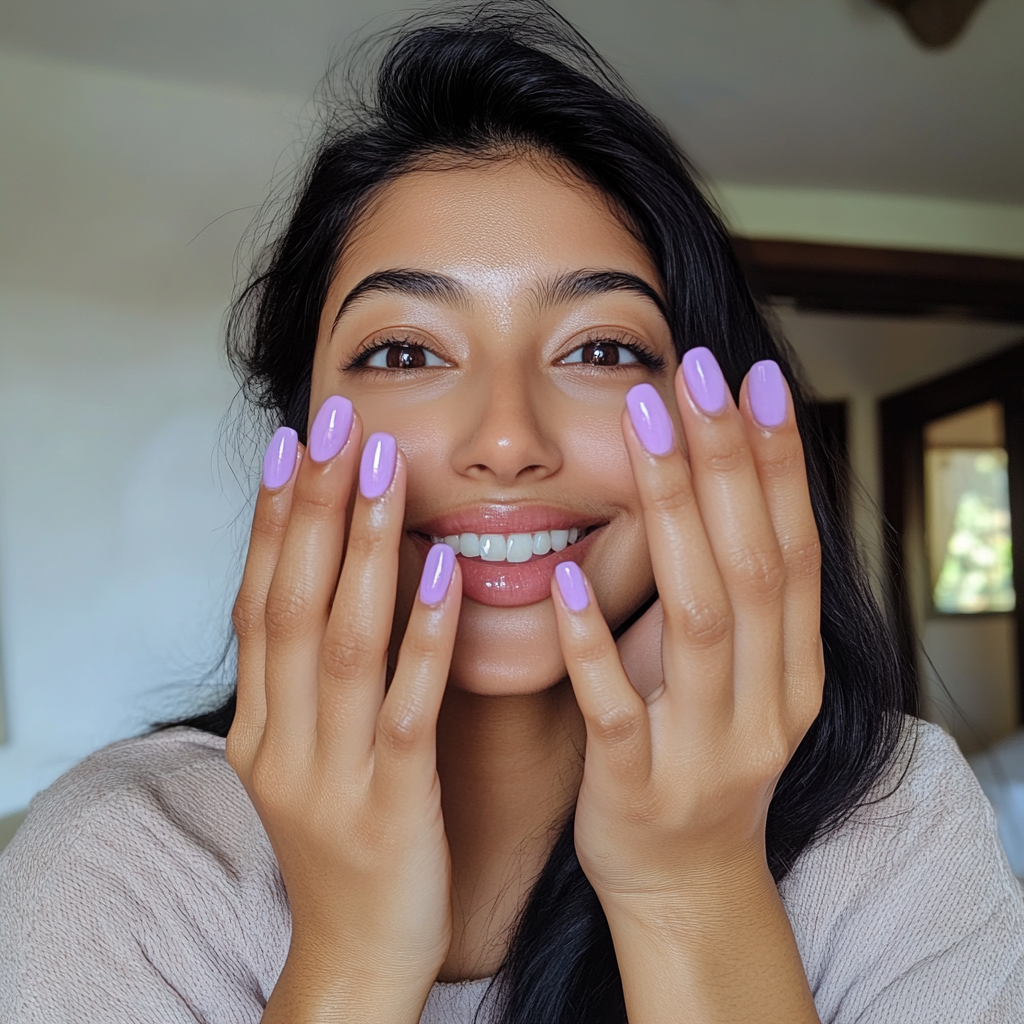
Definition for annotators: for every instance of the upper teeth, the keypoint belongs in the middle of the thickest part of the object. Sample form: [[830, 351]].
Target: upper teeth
[[513, 547]]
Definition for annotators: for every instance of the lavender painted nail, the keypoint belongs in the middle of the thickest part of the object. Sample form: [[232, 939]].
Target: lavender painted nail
[[330, 429], [437, 574], [377, 467], [704, 380], [571, 585], [279, 461], [650, 419], [766, 389]]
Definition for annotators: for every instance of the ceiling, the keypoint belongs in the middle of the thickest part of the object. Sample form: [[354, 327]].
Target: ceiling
[[805, 93]]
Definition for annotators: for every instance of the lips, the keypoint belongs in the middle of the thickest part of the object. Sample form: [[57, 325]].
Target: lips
[[510, 584]]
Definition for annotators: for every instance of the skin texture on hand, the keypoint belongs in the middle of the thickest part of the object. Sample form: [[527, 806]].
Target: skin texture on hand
[[676, 786], [343, 775]]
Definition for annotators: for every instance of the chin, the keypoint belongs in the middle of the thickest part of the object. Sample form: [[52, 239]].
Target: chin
[[506, 652]]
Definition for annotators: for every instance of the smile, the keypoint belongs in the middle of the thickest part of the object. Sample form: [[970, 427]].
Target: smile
[[512, 547]]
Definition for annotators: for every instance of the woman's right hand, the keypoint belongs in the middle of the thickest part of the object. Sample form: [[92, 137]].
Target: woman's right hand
[[340, 768]]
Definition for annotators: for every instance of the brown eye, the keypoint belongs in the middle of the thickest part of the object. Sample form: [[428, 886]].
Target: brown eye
[[401, 356], [406, 357], [601, 353]]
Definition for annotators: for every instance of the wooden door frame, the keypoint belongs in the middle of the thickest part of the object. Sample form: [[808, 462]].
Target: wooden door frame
[[903, 418]]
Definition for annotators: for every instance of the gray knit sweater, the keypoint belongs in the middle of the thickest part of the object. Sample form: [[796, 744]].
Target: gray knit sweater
[[142, 888]]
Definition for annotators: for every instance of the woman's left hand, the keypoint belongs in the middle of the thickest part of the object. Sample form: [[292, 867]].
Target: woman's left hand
[[670, 820]]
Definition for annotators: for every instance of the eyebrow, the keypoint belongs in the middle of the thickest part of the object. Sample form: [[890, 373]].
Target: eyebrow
[[419, 283], [581, 283], [447, 290]]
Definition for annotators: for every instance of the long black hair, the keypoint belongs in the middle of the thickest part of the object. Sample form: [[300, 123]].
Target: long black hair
[[489, 82]]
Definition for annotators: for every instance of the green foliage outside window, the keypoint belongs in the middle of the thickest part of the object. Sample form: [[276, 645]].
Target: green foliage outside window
[[968, 521]]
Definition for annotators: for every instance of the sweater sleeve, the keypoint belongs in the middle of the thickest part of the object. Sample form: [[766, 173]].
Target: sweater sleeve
[[910, 911], [117, 906]]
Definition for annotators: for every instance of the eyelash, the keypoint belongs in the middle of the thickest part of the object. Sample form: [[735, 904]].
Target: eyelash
[[645, 357]]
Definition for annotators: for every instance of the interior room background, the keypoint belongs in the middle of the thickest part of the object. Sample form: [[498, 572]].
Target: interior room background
[[137, 141]]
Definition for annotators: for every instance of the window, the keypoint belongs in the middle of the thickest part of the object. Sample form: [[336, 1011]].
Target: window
[[967, 513]]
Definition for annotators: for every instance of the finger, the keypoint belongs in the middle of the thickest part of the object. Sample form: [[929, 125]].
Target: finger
[[698, 621], [353, 654], [618, 729], [767, 409], [405, 737], [739, 526], [270, 520], [299, 600]]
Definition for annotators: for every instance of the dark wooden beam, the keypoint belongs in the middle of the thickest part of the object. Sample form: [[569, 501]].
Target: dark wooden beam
[[861, 279]]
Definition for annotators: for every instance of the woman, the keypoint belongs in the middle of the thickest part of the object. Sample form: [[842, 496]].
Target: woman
[[561, 695]]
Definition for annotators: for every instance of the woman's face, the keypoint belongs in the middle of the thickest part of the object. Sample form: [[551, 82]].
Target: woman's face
[[492, 318]]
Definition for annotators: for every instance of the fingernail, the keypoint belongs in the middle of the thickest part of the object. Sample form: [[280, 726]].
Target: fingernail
[[704, 379], [437, 574], [650, 419], [766, 389], [330, 429], [378, 465], [279, 462], [571, 584]]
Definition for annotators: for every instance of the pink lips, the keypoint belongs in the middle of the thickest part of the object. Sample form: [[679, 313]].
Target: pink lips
[[512, 585], [508, 584]]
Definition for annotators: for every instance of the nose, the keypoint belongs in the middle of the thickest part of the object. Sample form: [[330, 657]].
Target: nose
[[504, 435]]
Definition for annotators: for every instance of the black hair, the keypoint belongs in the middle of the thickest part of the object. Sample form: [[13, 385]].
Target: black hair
[[507, 78]]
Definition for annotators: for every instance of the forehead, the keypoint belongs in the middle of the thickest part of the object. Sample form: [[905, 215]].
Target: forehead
[[501, 224]]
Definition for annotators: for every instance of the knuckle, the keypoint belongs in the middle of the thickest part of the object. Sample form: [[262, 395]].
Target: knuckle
[[617, 724], [400, 730], [729, 456], [802, 558], [269, 525], [247, 615], [367, 544], [671, 501], [420, 648], [317, 505], [592, 652], [760, 574], [702, 626], [781, 464], [287, 615], [347, 656]]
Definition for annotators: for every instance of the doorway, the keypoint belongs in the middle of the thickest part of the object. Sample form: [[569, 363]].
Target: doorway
[[953, 496]]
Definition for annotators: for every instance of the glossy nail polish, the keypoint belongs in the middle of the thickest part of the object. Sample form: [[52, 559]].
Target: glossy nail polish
[[437, 574], [572, 586], [330, 429], [704, 380], [279, 461], [650, 419], [766, 389], [377, 467]]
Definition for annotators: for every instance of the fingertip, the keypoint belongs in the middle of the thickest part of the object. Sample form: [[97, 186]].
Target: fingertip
[[281, 458], [767, 394], [572, 586], [439, 569]]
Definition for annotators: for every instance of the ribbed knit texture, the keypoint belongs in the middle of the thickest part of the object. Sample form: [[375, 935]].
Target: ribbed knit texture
[[142, 888]]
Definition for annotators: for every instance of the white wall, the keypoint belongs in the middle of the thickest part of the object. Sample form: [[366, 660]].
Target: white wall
[[117, 550]]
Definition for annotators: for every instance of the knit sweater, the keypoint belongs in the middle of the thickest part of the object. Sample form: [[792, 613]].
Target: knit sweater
[[143, 888]]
